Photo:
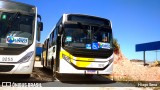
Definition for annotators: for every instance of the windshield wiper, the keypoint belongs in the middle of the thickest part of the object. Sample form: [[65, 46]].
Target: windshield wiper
[[10, 22]]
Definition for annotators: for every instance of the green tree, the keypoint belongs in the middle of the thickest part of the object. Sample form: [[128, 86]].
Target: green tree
[[116, 46]]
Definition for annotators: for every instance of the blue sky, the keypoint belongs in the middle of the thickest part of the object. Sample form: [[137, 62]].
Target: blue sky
[[133, 21]]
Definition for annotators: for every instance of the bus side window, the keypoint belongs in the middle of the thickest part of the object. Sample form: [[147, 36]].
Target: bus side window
[[50, 40], [55, 34]]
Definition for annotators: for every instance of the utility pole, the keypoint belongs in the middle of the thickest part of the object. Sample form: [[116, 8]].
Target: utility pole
[[144, 58], [156, 54]]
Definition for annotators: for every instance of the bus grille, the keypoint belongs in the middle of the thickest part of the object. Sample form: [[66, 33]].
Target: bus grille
[[6, 68]]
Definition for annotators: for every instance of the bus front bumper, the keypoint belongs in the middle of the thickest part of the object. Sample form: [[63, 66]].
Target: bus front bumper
[[16, 68]]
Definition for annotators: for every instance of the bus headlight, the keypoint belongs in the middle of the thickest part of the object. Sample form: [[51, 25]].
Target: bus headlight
[[26, 57], [66, 58], [110, 61]]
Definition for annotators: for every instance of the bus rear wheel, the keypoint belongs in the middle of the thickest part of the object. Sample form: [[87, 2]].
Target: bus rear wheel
[[52, 63]]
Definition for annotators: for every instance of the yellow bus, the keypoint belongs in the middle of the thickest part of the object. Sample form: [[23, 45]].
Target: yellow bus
[[80, 44]]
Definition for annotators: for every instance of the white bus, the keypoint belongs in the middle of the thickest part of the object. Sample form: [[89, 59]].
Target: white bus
[[79, 44], [20, 28]]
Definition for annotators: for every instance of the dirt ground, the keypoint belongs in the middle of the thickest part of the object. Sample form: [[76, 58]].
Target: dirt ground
[[125, 70]]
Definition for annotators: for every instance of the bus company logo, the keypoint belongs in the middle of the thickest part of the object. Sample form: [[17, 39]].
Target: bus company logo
[[17, 40], [104, 45], [10, 39]]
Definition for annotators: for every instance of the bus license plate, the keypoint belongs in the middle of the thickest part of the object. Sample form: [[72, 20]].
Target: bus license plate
[[91, 72]]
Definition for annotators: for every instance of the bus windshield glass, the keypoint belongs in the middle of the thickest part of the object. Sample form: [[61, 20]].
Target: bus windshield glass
[[91, 37], [15, 29]]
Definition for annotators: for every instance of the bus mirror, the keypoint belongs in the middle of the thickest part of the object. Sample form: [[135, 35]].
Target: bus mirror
[[60, 28], [40, 26], [39, 16]]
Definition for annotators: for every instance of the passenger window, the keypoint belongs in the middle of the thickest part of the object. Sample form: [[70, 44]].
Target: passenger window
[[55, 34], [50, 40]]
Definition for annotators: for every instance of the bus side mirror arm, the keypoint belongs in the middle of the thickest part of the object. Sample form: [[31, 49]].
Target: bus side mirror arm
[[40, 27], [40, 24], [39, 34], [39, 16]]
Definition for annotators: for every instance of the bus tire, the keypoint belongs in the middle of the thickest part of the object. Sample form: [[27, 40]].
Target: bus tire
[[54, 70], [52, 64]]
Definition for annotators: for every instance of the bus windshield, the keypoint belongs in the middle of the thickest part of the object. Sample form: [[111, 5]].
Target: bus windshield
[[15, 30], [92, 37]]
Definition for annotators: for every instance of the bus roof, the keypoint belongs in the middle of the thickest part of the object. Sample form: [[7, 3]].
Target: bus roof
[[16, 6], [84, 18], [85, 15]]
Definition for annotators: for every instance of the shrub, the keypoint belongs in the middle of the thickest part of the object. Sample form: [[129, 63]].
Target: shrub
[[116, 46]]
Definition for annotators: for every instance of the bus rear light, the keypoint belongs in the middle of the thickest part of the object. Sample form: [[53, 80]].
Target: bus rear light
[[26, 57]]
